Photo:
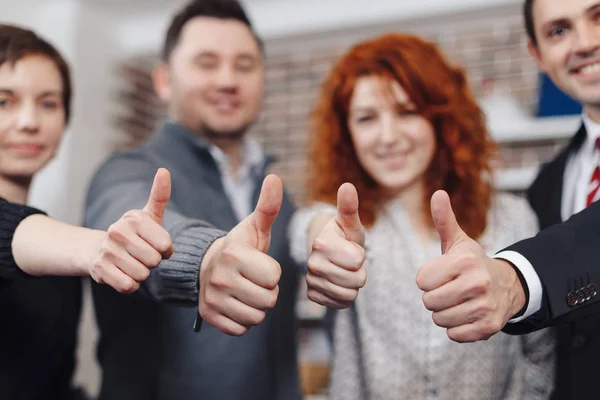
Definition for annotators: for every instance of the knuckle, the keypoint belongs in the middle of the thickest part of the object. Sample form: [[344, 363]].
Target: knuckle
[[107, 251], [455, 336], [439, 321], [116, 234], [211, 301], [351, 296], [154, 259], [319, 244], [489, 327], [166, 243], [145, 274], [97, 269], [421, 279], [357, 259], [311, 281], [229, 254], [271, 300], [362, 278], [469, 260], [312, 266], [132, 216], [340, 304], [236, 331], [313, 295], [207, 314], [361, 256], [488, 307], [129, 286], [274, 275], [257, 317], [427, 301], [482, 283], [219, 281], [355, 264]]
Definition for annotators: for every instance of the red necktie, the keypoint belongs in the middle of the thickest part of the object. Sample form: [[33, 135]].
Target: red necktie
[[594, 181]]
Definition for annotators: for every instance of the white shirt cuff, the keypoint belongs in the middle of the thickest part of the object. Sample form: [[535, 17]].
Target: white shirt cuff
[[531, 278]]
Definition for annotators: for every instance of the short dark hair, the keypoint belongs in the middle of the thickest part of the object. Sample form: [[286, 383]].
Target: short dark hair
[[222, 9], [17, 43], [528, 15]]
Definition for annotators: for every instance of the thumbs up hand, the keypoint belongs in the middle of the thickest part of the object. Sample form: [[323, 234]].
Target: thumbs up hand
[[238, 279], [470, 294], [336, 264], [136, 243]]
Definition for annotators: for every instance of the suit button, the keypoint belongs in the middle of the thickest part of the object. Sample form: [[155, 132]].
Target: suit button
[[592, 289], [581, 295], [572, 299], [579, 341]]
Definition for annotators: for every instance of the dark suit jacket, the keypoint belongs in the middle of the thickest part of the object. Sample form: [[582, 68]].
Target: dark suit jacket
[[567, 258]]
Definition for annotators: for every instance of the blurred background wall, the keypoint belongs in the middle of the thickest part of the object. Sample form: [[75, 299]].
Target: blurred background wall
[[113, 44]]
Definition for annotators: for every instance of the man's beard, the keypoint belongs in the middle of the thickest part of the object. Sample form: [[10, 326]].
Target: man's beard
[[232, 135]]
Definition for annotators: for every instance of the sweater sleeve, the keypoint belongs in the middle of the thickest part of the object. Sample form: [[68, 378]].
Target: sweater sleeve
[[11, 216], [124, 183]]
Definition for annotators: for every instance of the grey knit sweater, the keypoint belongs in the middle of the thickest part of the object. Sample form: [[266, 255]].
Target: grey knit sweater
[[147, 348]]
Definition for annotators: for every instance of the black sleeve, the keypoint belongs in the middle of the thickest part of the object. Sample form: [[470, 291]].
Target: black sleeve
[[566, 258], [11, 215]]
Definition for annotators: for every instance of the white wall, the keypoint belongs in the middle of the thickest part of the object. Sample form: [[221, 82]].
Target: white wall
[[284, 17]]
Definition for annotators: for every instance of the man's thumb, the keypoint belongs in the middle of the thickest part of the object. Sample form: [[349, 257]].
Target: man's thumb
[[347, 213], [267, 208], [445, 221], [159, 195]]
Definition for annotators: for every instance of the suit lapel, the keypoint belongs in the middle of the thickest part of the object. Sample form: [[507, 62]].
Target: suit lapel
[[550, 212]]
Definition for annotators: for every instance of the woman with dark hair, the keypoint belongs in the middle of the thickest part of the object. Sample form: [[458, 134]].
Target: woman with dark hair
[[40, 313], [396, 120]]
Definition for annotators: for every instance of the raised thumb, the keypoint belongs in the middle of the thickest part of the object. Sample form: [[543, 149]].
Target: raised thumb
[[347, 213], [159, 195], [445, 221]]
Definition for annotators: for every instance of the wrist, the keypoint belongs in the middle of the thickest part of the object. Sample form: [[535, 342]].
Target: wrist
[[213, 249], [89, 250], [516, 290]]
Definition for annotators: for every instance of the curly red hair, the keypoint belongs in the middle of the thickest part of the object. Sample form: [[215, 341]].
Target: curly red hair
[[461, 164]]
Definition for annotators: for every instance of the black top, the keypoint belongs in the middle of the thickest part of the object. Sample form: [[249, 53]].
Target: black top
[[39, 318], [11, 215]]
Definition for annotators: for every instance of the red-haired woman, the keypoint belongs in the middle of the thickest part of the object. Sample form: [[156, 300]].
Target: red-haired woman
[[395, 119]]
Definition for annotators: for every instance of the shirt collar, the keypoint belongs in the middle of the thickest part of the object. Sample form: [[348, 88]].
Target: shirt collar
[[252, 155], [592, 130]]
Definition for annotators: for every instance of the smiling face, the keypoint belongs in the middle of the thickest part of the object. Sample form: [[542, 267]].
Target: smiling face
[[393, 143], [32, 115], [215, 78], [568, 50]]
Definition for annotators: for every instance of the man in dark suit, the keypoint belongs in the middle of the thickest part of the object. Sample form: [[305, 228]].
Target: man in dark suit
[[564, 38]]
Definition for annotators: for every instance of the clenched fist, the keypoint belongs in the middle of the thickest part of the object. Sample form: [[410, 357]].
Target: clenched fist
[[136, 243], [336, 268], [238, 279]]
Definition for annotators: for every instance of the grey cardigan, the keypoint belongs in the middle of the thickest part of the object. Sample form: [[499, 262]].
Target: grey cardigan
[[147, 348]]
